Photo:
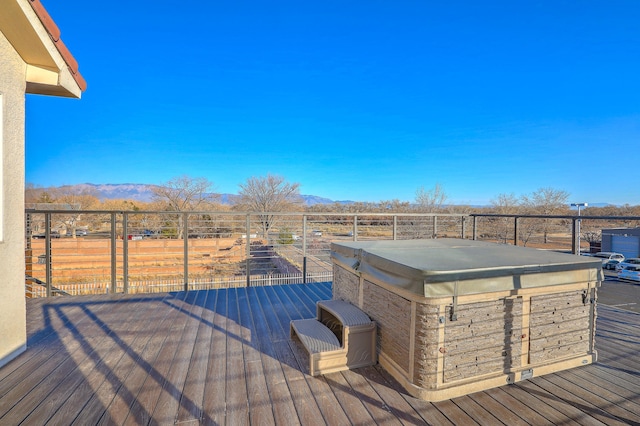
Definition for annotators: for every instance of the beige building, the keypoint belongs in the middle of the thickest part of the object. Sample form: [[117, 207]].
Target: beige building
[[33, 59]]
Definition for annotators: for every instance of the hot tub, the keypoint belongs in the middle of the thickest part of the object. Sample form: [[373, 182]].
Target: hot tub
[[458, 316]]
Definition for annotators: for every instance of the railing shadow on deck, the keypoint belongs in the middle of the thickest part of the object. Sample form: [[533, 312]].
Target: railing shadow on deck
[[85, 345], [269, 302]]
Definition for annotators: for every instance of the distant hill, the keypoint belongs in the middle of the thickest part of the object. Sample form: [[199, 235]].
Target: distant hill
[[126, 191], [143, 192], [312, 200]]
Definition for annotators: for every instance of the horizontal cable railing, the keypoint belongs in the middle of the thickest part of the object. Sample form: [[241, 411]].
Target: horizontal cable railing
[[74, 252]]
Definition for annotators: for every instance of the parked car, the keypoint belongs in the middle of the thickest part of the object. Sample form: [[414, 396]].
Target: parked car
[[607, 255], [631, 273], [52, 234], [139, 234], [79, 233], [628, 262], [316, 233], [611, 264]]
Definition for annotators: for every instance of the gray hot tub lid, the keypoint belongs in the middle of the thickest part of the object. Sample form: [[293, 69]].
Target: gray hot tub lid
[[434, 267]]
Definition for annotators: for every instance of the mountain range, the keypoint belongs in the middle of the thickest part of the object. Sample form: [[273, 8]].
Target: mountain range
[[143, 192]]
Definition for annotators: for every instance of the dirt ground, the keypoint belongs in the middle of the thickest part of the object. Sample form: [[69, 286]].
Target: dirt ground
[[77, 260]]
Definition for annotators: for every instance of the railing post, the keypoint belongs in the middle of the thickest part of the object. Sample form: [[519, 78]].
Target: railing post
[[395, 227], [28, 257], [125, 253], [29, 253], [515, 231], [435, 227], [355, 227], [304, 249], [114, 252], [475, 228], [462, 225], [248, 248], [29, 231], [185, 238], [47, 252], [574, 247]]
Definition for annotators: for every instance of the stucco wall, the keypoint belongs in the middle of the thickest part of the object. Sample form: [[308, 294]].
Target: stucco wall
[[12, 297]]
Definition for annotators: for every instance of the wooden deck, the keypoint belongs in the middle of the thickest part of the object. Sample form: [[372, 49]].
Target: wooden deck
[[225, 357]]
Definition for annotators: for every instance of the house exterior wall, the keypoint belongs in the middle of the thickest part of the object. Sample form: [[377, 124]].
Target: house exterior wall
[[13, 336]]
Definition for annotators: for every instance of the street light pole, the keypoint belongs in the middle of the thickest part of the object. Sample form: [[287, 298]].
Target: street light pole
[[579, 206]]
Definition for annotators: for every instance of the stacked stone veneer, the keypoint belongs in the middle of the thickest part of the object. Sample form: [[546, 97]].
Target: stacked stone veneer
[[560, 325], [485, 338]]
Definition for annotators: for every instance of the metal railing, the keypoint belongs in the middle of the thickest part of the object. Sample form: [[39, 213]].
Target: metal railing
[[90, 252]]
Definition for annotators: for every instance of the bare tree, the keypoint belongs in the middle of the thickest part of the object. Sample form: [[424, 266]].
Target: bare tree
[[546, 201], [184, 193], [527, 228], [395, 206], [34, 195], [504, 204], [73, 197], [269, 194], [431, 201]]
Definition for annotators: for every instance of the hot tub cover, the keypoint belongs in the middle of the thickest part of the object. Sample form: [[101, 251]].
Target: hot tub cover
[[445, 267]]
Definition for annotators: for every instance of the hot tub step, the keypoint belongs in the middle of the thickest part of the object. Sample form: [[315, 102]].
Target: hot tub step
[[342, 337], [325, 353], [353, 328]]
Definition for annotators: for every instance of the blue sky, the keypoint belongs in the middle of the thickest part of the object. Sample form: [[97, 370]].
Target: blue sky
[[358, 100]]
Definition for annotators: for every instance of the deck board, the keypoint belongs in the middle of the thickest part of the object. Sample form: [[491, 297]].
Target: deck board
[[260, 411], [542, 403], [77, 387], [237, 397], [213, 406], [225, 357], [500, 412], [503, 398], [147, 384], [281, 401], [37, 380], [593, 399], [478, 412], [305, 404]]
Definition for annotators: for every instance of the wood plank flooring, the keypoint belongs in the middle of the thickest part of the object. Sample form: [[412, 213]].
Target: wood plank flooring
[[224, 357]]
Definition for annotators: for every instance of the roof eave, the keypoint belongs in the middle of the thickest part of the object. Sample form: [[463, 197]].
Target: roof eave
[[42, 81], [51, 69]]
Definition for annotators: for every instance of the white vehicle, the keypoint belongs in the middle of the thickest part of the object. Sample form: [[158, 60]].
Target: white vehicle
[[607, 256], [628, 262], [611, 265], [631, 273]]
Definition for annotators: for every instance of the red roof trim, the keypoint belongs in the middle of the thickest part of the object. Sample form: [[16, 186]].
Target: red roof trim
[[54, 33]]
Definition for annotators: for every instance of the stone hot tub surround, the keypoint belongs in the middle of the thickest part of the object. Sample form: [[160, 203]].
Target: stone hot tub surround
[[460, 316]]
